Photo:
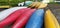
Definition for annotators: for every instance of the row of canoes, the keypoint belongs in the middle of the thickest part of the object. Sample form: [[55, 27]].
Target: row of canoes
[[30, 18]]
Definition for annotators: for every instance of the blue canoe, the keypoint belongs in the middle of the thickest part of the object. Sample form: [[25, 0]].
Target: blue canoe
[[36, 20]]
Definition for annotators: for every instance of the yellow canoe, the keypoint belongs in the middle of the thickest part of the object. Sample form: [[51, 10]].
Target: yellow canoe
[[38, 5], [50, 20], [5, 6], [33, 4], [42, 5]]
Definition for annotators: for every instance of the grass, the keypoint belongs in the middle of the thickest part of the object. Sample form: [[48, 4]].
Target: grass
[[13, 2], [10, 2]]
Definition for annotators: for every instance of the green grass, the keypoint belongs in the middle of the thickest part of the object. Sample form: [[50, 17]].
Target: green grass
[[13, 2], [10, 2]]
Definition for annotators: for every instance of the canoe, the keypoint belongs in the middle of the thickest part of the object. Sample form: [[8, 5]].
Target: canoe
[[42, 5], [27, 3], [50, 20], [59, 26], [36, 20], [38, 4], [33, 4], [13, 17], [5, 6], [23, 19], [7, 12]]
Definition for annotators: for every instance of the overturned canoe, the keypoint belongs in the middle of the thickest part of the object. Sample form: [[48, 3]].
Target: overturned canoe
[[13, 17], [36, 20], [7, 12], [50, 20], [27, 3]]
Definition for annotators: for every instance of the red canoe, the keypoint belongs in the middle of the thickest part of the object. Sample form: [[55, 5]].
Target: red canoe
[[11, 18], [23, 19]]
